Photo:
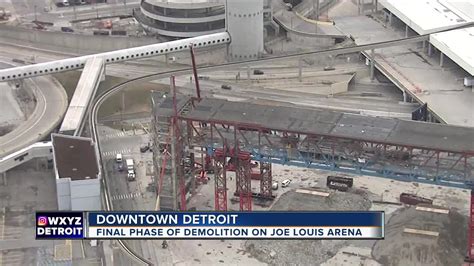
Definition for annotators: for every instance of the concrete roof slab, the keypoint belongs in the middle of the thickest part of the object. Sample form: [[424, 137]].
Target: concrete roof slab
[[316, 122]]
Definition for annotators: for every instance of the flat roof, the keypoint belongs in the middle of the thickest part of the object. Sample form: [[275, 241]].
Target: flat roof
[[337, 124], [457, 45], [74, 157], [428, 16]]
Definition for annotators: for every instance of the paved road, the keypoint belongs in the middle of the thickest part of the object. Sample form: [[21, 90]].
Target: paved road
[[28, 10], [291, 21], [50, 107]]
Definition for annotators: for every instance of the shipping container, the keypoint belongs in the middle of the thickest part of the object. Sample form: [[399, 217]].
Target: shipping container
[[344, 180], [414, 199]]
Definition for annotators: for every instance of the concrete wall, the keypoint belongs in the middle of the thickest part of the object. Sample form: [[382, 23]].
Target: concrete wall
[[63, 191], [311, 40], [87, 43], [85, 195], [78, 195]]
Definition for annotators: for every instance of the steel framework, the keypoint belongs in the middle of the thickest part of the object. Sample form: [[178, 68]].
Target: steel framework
[[223, 139], [220, 174]]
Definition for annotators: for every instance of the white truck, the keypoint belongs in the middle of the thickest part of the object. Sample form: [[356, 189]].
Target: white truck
[[130, 170]]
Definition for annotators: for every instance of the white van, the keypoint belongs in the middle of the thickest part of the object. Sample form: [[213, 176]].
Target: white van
[[285, 183], [118, 158]]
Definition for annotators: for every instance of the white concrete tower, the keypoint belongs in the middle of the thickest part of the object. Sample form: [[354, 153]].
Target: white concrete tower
[[244, 19]]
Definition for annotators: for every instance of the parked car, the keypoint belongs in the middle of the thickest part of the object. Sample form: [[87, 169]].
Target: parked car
[[285, 182], [66, 29], [118, 158], [258, 72], [144, 148], [226, 87]]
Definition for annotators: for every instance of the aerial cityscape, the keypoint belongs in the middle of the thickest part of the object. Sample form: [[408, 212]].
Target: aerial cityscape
[[239, 106]]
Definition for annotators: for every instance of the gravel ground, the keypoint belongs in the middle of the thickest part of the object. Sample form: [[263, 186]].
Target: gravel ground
[[408, 249], [306, 252]]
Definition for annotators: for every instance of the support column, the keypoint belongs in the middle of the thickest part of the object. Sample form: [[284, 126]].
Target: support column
[[441, 59], [248, 73], [430, 49], [266, 180], [470, 240], [390, 19], [243, 178], [174, 174], [102, 75], [220, 184], [406, 31], [4, 178], [372, 64], [404, 96], [300, 70], [423, 46]]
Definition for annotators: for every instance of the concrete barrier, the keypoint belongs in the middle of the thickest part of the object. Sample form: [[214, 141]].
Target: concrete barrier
[[86, 43]]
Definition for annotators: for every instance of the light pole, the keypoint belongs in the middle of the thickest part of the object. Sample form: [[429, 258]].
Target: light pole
[[74, 9], [125, 5], [96, 10], [36, 15]]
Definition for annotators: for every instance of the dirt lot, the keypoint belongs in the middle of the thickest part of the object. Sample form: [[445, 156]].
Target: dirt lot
[[308, 252], [401, 248]]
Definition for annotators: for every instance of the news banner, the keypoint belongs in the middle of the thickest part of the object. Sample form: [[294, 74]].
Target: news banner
[[210, 225]]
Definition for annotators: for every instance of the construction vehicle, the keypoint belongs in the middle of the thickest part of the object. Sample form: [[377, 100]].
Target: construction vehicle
[[285, 182]]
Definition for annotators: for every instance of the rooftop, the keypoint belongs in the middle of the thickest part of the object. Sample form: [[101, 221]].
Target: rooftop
[[331, 123], [74, 157], [428, 16], [186, 4]]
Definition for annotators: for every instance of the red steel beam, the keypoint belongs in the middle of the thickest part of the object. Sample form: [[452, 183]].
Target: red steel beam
[[196, 80], [220, 184]]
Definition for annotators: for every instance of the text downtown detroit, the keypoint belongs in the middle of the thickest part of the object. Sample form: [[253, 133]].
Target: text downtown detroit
[[165, 219]]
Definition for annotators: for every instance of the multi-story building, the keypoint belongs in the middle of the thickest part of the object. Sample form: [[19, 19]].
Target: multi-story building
[[182, 18]]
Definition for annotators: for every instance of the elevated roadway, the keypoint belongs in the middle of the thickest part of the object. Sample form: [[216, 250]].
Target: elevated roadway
[[118, 56], [295, 21], [92, 75], [51, 104], [415, 72]]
